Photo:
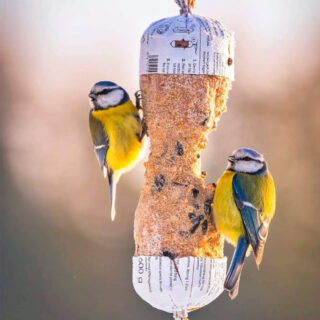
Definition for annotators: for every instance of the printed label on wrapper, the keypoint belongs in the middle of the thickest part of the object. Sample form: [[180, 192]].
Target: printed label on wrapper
[[199, 281], [187, 44]]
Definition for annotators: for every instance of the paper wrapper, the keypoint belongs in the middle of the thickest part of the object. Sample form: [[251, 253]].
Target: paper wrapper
[[187, 44], [199, 282]]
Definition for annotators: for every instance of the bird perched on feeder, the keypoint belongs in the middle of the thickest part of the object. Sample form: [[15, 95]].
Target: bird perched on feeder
[[117, 132], [244, 204]]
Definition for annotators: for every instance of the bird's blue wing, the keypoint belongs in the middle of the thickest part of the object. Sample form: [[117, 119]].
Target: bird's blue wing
[[101, 144], [100, 139], [245, 193]]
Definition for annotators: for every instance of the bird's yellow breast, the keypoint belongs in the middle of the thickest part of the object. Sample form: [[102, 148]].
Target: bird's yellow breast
[[123, 130], [226, 214]]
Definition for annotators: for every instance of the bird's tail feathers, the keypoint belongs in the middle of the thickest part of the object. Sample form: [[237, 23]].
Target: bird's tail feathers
[[233, 277], [233, 293], [113, 178], [262, 238]]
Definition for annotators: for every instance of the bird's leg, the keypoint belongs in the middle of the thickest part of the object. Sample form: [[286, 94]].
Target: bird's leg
[[138, 99], [144, 128], [139, 107]]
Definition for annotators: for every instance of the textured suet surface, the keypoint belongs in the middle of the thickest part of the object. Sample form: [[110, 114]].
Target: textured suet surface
[[174, 212]]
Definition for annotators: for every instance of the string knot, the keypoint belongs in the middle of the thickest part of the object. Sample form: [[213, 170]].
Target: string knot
[[185, 5], [180, 315]]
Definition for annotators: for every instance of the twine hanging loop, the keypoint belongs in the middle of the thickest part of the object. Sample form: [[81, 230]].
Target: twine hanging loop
[[185, 5]]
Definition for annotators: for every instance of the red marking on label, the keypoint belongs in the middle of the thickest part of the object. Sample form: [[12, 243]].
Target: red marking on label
[[181, 44]]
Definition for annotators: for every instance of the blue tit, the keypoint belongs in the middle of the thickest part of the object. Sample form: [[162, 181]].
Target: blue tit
[[244, 204], [117, 132]]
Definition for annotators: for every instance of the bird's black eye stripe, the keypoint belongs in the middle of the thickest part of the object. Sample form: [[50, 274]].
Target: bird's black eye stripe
[[104, 91], [249, 159], [245, 159]]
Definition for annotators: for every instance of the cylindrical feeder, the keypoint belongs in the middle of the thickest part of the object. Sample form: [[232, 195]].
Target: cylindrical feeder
[[186, 70]]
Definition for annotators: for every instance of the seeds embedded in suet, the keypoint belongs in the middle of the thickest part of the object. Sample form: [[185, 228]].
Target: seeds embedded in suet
[[169, 254], [191, 215], [193, 229], [159, 182], [195, 192], [197, 219], [175, 183], [204, 227], [179, 148], [204, 121], [183, 234], [207, 206]]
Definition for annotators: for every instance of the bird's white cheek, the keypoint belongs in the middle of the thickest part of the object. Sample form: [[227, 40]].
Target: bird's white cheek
[[102, 101], [248, 166], [111, 99]]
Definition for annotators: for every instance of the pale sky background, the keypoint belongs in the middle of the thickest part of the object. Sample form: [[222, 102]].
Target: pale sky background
[[107, 33]]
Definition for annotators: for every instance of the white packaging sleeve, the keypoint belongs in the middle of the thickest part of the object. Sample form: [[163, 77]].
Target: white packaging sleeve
[[178, 287], [187, 44]]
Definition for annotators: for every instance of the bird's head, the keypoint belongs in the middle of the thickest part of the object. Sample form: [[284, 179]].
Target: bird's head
[[246, 160], [107, 94]]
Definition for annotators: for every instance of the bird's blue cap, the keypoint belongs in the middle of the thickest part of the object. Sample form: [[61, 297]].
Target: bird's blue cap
[[246, 152], [251, 152], [105, 84]]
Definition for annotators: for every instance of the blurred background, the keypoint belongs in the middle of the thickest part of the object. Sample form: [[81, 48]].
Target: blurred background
[[61, 257]]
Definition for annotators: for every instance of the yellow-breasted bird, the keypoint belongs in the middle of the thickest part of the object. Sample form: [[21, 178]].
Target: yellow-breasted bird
[[117, 132], [244, 204]]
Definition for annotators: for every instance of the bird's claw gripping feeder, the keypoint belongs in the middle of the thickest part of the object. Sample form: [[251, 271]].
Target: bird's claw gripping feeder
[[186, 70]]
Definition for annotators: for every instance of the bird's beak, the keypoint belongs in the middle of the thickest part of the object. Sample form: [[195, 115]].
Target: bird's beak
[[92, 96], [231, 159]]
